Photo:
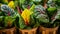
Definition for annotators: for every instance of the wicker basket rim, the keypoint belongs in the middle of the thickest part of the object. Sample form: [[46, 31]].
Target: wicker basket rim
[[29, 29]]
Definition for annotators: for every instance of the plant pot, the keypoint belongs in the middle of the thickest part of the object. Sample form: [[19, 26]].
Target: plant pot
[[8, 31], [48, 30], [31, 31]]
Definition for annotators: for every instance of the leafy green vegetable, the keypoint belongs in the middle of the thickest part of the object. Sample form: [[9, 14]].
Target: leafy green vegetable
[[50, 18], [7, 10], [37, 1], [57, 2], [21, 1], [51, 10], [39, 8], [7, 16], [42, 18], [9, 21], [58, 14], [21, 22], [1, 18], [32, 20]]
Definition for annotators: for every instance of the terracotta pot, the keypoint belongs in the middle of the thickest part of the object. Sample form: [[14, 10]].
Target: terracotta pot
[[31, 31], [48, 30], [8, 31]]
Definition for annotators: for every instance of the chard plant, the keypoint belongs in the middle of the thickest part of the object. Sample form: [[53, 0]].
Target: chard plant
[[27, 19], [49, 17], [7, 17]]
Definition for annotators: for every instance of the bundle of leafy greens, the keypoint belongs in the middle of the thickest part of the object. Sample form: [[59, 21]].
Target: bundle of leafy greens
[[27, 19], [7, 16], [49, 18]]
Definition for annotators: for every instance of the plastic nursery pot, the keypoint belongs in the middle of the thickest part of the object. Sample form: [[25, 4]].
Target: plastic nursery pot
[[8, 31], [48, 30], [31, 31]]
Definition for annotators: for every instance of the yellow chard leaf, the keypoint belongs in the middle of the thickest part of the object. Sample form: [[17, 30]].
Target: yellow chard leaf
[[11, 4], [32, 8], [26, 15]]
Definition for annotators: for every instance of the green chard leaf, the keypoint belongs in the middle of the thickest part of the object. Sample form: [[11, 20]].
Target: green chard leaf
[[9, 21], [21, 22]]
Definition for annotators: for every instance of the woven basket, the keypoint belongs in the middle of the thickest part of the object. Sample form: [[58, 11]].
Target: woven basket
[[31, 31], [48, 30], [8, 31]]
